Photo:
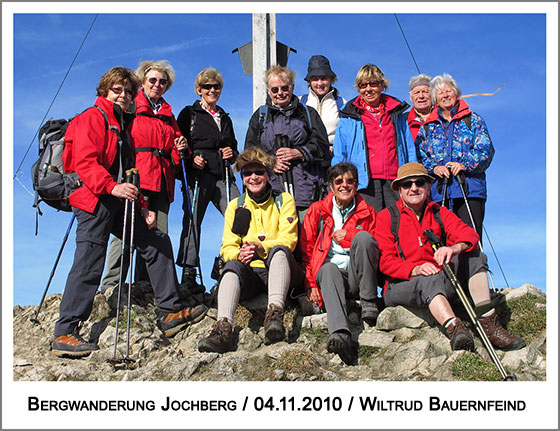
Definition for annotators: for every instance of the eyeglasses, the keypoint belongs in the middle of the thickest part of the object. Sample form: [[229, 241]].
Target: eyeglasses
[[364, 85], [258, 172], [162, 81], [119, 90], [408, 184], [210, 86], [339, 181], [284, 88]]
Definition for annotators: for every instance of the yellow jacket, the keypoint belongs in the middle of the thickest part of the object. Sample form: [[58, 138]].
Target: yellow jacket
[[268, 226]]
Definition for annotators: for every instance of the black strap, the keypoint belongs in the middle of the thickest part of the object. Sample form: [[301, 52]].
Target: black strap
[[165, 118], [396, 220], [158, 152]]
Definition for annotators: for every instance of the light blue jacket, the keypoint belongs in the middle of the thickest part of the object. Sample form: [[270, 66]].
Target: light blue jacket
[[350, 140]]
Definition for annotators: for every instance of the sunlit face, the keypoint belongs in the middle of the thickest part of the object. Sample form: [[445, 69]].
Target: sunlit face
[[446, 97], [344, 189], [121, 94], [280, 90], [321, 85], [420, 97], [155, 84], [370, 90], [255, 178], [412, 194], [210, 92]]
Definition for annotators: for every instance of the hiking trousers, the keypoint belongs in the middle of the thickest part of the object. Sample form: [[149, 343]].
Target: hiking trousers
[[360, 281], [92, 236]]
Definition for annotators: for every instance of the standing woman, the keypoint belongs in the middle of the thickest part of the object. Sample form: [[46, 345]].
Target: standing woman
[[374, 135], [157, 141], [211, 139], [455, 140]]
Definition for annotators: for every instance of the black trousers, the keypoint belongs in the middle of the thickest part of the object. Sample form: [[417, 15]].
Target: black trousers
[[92, 236]]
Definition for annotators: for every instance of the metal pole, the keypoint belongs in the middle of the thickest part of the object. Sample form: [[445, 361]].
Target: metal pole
[[264, 53]]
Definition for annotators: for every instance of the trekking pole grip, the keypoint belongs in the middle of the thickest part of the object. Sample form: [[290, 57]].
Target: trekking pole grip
[[433, 239], [133, 177], [461, 177]]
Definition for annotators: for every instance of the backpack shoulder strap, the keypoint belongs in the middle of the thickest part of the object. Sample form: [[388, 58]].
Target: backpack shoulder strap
[[468, 121], [278, 199], [437, 217], [339, 103], [308, 114], [241, 200], [395, 223], [304, 99]]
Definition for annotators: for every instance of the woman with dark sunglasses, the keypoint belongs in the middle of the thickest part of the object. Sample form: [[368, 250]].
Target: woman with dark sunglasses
[[373, 134], [211, 139], [295, 135], [157, 141]]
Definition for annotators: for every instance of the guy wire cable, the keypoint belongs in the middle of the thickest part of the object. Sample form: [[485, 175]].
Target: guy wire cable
[[406, 41], [55, 96]]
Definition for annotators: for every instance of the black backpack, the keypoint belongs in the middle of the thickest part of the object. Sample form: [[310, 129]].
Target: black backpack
[[51, 183]]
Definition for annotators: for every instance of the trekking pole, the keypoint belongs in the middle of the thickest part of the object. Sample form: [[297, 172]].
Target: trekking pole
[[134, 179], [34, 319], [191, 209], [446, 182], [461, 181], [127, 205], [226, 172], [436, 243]]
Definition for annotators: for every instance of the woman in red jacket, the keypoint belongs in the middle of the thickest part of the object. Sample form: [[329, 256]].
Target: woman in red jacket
[[340, 256], [98, 149], [157, 141]]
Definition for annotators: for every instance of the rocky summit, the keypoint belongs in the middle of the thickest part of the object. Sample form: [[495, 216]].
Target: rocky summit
[[404, 345]]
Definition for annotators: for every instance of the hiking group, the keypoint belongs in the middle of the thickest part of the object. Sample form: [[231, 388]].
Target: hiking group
[[336, 202]]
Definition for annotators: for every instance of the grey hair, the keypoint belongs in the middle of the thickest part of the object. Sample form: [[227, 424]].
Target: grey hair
[[417, 80], [438, 82]]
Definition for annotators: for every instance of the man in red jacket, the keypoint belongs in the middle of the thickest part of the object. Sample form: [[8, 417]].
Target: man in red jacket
[[415, 278], [340, 256], [98, 150]]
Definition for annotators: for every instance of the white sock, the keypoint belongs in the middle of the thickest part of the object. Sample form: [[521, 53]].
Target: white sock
[[228, 296], [278, 279]]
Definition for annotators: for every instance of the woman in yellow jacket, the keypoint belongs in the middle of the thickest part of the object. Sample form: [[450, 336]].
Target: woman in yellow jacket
[[260, 234]]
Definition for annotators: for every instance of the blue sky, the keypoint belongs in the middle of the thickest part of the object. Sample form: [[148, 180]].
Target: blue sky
[[481, 51]]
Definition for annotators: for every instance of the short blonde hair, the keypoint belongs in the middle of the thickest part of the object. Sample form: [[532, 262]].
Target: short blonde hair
[[162, 66], [206, 75], [281, 71], [254, 155], [369, 71]]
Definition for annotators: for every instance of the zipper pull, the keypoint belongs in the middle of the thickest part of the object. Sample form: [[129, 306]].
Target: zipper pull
[[420, 241]]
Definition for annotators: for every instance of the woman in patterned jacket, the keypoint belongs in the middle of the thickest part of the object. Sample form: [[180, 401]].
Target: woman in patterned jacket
[[455, 142]]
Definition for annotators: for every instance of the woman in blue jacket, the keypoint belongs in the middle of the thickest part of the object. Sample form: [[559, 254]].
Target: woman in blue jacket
[[373, 134], [455, 141]]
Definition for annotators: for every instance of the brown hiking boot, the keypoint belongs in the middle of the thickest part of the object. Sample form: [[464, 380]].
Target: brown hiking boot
[[274, 324], [498, 335], [461, 338], [72, 345], [220, 339], [172, 323]]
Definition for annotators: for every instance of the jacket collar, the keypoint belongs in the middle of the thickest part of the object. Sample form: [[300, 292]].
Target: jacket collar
[[392, 105], [461, 110], [327, 205], [144, 106]]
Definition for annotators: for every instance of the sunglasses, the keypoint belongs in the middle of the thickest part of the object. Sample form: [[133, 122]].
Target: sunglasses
[[408, 184], [349, 181], [210, 86], [364, 85], [258, 172], [119, 90], [162, 81], [284, 88]]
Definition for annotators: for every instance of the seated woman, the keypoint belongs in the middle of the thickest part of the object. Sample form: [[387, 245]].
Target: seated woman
[[340, 256], [260, 234]]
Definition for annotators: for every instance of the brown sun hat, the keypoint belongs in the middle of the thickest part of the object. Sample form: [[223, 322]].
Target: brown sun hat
[[408, 170]]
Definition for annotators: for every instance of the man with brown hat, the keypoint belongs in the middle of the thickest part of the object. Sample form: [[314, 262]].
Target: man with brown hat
[[413, 269]]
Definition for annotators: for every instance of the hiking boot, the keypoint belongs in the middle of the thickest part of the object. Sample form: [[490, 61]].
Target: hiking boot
[[171, 323], [220, 339], [72, 345], [274, 324], [369, 312], [498, 335], [340, 343], [461, 338], [189, 279]]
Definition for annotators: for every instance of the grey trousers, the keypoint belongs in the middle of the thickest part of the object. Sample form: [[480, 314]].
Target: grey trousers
[[360, 281], [379, 194]]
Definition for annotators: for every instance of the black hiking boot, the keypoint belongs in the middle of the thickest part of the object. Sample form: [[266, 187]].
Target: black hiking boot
[[171, 323], [461, 338], [274, 324], [72, 345], [220, 339], [189, 279], [340, 343], [370, 312]]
